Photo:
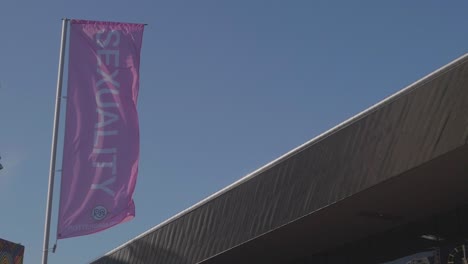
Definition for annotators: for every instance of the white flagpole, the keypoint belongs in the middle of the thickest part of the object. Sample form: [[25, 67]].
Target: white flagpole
[[53, 151]]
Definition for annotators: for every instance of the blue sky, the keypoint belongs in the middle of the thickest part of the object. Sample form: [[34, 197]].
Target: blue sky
[[226, 87]]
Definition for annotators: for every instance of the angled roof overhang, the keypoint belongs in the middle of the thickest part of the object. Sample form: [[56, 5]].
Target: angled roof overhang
[[400, 160]]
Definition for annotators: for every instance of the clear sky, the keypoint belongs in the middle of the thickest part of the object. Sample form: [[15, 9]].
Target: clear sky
[[226, 87]]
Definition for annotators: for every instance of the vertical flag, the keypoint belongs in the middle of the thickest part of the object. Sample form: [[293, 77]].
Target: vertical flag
[[101, 146]]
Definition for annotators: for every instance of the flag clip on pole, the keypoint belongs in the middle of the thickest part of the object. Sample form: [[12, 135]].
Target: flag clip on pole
[[53, 151]]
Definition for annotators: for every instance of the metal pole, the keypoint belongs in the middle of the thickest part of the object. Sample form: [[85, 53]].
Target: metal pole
[[53, 151]]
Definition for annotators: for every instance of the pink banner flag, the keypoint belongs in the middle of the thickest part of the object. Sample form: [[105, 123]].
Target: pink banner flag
[[101, 149]]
